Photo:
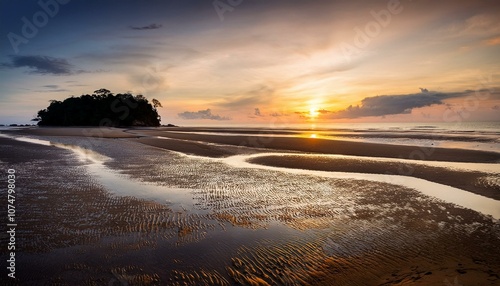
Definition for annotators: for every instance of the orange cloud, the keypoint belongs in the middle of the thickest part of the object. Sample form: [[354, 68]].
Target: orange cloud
[[493, 41]]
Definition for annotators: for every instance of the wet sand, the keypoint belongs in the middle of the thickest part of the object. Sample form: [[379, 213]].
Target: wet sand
[[101, 132], [325, 146], [193, 147], [480, 183], [245, 226]]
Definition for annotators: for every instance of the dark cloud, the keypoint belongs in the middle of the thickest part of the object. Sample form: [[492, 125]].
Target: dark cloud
[[153, 26], [53, 90], [41, 65], [202, 114], [382, 105], [301, 114], [51, 86]]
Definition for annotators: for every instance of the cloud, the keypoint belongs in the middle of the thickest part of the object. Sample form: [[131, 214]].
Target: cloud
[[51, 88], [494, 41], [153, 26], [257, 112], [259, 95], [202, 114], [301, 114], [307, 114], [382, 105], [41, 65], [278, 114], [242, 101], [478, 26]]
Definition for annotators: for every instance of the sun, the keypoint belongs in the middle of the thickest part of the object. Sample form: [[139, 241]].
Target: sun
[[313, 112]]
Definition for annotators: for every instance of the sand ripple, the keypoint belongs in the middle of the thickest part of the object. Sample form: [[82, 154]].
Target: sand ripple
[[245, 226]]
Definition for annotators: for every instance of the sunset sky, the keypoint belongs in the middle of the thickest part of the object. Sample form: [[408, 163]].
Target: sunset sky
[[233, 62]]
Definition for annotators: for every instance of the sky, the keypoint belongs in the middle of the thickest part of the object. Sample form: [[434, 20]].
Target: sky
[[259, 62]]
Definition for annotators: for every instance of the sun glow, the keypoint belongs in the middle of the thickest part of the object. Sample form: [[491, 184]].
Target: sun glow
[[313, 112], [314, 108]]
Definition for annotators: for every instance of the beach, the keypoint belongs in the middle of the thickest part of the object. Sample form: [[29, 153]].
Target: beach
[[190, 206]]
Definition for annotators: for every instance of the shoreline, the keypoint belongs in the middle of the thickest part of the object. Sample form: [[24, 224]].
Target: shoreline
[[339, 147], [227, 145]]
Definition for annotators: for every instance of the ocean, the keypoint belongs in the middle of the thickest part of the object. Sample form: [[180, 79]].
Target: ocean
[[483, 136]]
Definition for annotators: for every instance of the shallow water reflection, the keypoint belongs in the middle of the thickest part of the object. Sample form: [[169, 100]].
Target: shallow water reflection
[[449, 194]]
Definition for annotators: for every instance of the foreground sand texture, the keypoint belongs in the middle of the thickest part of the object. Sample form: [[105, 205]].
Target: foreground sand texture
[[122, 207]]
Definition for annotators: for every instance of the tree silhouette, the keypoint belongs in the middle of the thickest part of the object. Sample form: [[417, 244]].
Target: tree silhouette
[[102, 108], [156, 103]]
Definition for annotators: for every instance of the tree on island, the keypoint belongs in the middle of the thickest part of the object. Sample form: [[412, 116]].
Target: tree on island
[[102, 108]]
